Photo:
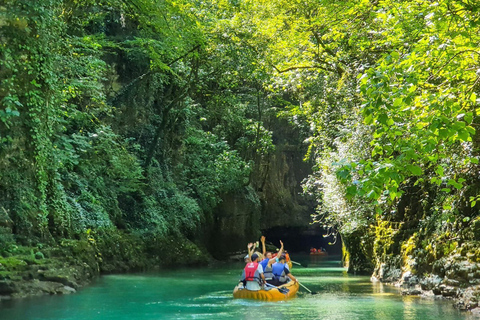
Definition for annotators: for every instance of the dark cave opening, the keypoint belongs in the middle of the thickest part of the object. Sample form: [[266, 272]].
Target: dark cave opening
[[301, 239]]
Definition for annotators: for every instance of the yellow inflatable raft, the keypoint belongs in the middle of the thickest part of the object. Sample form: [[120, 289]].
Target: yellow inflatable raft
[[272, 294]]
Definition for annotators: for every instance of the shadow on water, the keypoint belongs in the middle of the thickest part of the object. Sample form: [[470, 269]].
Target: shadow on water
[[207, 294]]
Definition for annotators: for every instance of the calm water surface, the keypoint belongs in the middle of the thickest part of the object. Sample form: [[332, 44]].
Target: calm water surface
[[207, 294]]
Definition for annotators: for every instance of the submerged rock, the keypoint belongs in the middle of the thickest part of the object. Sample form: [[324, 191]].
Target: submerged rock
[[66, 290]]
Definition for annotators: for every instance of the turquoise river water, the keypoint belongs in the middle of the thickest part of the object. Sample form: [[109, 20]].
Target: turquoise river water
[[206, 293]]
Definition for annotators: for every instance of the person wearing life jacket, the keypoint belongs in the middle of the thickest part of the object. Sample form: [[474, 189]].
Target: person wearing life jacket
[[281, 272], [252, 276], [269, 260]]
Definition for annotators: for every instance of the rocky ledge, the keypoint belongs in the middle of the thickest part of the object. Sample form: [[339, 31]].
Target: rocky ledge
[[65, 266], [456, 277], [22, 276]]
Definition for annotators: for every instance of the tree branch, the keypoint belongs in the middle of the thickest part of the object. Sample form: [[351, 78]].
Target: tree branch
[[450, 60], [137, 79]]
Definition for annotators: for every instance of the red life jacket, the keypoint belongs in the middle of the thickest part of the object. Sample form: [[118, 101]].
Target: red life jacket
[[250, 269]]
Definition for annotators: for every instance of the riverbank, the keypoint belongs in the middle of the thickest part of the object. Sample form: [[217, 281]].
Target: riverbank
[[455, 277], [64, 266], [67, 265]]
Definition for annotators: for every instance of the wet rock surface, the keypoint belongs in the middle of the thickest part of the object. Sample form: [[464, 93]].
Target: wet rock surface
[[454, 277], [66, 267], [459, 283]]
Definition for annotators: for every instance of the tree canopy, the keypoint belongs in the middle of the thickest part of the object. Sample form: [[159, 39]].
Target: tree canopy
[[143, 114]]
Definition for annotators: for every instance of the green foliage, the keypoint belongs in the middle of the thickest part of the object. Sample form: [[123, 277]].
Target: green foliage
[[211, 168], [142, 115], [13, 264], [167, 210], [388, 94], [102, 118]]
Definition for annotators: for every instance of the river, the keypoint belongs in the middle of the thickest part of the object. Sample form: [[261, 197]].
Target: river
[[206, 293]]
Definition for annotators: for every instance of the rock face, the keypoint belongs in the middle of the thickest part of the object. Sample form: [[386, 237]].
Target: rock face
[[276, 182], [279, 178], [455, 276], [280, 192], [235, 223], [358, 262], [458, 283]]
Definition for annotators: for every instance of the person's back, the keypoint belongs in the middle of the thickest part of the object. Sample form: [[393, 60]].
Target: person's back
[[281, 272], [264, 263], [279, 275], [253, 274]]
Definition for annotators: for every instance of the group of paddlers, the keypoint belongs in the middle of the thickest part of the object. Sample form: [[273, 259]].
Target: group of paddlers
[[315, 250], [266, 269]]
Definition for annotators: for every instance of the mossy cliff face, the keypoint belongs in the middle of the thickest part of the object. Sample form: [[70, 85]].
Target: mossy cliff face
[[278, 181], [274, 199], [234, 223], [280, 192], [63, 267], [357, 253], [421, 259]]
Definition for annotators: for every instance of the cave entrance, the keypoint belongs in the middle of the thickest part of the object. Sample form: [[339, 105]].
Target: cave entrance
[[300, 239]]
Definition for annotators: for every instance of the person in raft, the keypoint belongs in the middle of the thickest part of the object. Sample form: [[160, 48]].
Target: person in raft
[[269, 260], [250, 249], [281, 273], [248, 258], [252, 276]]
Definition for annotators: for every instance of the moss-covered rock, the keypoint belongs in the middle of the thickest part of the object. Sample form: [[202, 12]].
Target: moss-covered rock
[[176, 250], [74, 262], [358, 249]]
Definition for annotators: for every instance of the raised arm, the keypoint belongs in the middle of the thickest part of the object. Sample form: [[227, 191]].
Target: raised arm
[[250, 249], [271, 261], [281, 249], [264, 251]]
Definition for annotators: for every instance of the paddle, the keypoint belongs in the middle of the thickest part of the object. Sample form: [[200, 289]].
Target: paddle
[[282, 290], [310, 291], [298, 263]]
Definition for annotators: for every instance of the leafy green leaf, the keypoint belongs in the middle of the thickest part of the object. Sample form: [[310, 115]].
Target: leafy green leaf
[[415, 170]]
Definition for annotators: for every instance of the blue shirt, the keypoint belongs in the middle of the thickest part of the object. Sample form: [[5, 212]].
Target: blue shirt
[[264, 263]]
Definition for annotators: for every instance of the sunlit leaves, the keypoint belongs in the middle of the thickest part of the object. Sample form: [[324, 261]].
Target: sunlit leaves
[[413, 66]]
